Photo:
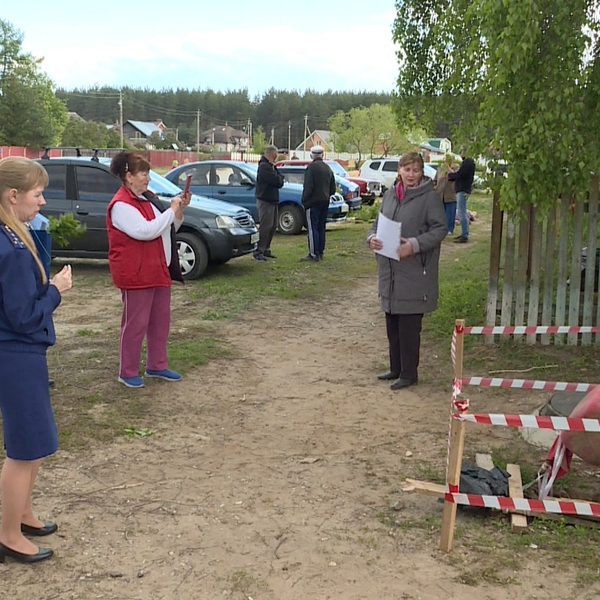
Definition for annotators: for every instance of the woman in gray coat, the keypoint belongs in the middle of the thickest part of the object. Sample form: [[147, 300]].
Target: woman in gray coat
[[408, 287]]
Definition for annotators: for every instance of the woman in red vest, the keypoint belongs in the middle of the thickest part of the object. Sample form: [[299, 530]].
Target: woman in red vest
[[143, 261]]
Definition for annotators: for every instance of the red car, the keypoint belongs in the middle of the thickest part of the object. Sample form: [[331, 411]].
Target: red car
[[370, 189]]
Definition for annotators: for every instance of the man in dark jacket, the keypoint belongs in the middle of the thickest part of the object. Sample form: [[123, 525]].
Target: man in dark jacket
[[463, 186], [268, 182], [319, 186]]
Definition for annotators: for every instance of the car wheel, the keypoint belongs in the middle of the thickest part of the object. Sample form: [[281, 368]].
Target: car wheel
[[290, 220], [193, 255]]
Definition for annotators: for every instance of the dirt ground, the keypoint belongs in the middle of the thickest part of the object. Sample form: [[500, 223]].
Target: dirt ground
[[271, 473]]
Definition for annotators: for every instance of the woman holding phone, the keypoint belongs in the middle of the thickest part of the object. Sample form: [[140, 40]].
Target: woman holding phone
[[27, 301], [143, 262]]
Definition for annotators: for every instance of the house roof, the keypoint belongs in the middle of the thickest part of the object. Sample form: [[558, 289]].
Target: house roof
[[146, 128], [431, 148], [437, 142], [322, 133], [223, 134]]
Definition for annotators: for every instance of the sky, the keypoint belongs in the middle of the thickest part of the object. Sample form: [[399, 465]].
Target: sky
[[342, 45]]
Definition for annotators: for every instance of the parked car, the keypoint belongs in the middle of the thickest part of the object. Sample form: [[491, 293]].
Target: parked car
[[370, 189], [212, 232], [348, 190], [233, 181], [385, 170]]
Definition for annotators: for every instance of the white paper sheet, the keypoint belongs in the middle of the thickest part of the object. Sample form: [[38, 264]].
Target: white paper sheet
[[389, 233]]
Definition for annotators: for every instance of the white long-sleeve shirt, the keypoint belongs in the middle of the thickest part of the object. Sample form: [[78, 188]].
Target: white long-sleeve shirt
[[129, 220]]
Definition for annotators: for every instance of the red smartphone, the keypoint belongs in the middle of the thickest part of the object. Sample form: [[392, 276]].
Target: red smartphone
[[188, 183]]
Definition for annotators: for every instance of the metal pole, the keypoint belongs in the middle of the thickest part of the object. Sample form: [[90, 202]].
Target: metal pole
[[198, 131], [121, 115], [289, 139]]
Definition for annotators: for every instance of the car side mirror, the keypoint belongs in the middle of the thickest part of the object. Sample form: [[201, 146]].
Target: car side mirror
[[247, 183]]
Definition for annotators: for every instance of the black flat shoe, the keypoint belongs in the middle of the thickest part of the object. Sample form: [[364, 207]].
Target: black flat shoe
[[388, 375], [402, 383], [43, 554], [47, 529]]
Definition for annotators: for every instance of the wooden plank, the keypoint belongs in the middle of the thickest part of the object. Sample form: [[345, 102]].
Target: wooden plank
[[484, 461], [522, 267], [494, 275], [457, 444], [515, 490], [590, 268], [534, 277], [548, 295], [561, 283], [424, 487], [575, 278], [509, 273]]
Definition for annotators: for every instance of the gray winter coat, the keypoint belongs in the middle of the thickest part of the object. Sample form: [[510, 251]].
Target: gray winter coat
[[410, 285]]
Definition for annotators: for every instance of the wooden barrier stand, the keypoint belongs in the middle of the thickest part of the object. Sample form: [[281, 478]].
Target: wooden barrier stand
[[518, 506]]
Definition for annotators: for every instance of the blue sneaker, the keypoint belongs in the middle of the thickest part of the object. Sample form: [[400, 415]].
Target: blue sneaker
[[132, 382], [165, 374]]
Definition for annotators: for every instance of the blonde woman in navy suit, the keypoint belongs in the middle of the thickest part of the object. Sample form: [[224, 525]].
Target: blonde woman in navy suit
[[27, 301]]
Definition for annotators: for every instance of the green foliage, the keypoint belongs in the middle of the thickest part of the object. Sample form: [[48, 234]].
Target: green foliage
[[178, 108], [523, 78], [65, 228], [87, 134], [30, 114], [371, 130], [259, 140]]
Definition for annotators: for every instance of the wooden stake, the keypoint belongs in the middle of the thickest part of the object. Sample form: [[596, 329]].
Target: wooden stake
[[456, 449], [515, 490]]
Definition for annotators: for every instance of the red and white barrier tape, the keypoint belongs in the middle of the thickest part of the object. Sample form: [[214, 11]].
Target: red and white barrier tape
[[525, 384], [525, 330], [561, 507], [534, 422]]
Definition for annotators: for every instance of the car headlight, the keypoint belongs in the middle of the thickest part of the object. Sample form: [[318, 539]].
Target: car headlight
[[226, 222]]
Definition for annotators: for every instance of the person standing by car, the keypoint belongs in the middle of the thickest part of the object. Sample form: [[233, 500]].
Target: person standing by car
[[463, 186], [319, 186], [445, 189], [408, 287], [27, 301], [143, 261], [268, 183]]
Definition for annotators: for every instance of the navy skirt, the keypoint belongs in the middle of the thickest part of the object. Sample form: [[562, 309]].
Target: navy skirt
[[28, 421]]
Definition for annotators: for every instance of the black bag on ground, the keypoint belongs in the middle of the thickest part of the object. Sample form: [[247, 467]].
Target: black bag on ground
[[481, 482]]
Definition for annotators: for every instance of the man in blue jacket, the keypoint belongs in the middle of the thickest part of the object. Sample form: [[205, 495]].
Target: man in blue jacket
[[319, 186], [463, 186], [268, 182]]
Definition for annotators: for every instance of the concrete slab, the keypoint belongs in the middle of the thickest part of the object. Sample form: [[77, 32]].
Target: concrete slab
[[560, 404]]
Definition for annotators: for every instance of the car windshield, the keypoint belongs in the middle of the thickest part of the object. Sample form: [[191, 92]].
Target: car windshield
[[337, 168], [161, 186]]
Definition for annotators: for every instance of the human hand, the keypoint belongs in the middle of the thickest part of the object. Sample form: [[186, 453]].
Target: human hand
[[405, 250], [375, 244], [63, 280]]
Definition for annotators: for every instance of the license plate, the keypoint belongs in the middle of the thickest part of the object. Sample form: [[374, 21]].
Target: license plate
[[254, 238], [345, 208]]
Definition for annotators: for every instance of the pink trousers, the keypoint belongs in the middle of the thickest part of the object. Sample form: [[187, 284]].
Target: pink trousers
[[146, 313]]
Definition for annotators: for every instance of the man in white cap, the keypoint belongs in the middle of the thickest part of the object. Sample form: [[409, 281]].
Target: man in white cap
[[319, 186]]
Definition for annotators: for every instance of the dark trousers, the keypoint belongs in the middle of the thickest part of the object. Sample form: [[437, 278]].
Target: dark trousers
[[267, 217], [404, 338], [316, 221]]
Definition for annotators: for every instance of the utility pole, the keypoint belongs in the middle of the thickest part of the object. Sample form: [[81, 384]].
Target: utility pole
[[289, 139], [305, 133], [272, 140], [249, 133], [121, 115], [198, 131]]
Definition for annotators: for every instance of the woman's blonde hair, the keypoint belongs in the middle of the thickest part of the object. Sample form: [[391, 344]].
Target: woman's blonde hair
[[23, 175]]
